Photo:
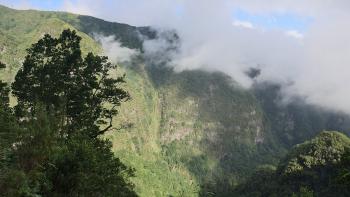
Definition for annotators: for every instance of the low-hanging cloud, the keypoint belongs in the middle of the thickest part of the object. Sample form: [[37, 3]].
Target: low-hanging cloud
[[114, 50], [315, 64]]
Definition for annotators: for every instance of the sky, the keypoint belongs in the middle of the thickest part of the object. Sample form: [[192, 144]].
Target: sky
[[287, 21], [34, 4], [303, 45]]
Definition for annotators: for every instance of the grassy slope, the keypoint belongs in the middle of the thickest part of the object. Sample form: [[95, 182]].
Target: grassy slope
[[19, 29]]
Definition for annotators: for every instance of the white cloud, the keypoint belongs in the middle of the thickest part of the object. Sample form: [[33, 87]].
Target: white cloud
[[295, 34], [315, 61], [318, 66], [244, 24], [113, 49], [78, 7]]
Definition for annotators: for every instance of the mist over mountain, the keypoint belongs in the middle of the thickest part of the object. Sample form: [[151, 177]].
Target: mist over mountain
[[213, 97], [305, 61]]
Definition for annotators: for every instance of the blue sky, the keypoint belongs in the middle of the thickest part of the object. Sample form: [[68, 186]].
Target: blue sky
[[286, 21], [37, 4]]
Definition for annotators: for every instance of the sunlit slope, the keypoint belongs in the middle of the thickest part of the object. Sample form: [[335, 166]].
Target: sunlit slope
[[20, 29]]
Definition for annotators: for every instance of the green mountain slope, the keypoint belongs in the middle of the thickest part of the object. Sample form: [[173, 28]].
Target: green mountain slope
[[318, 167], [19, 29], [185, 133]]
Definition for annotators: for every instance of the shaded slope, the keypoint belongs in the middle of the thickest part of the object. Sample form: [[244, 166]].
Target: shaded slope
[[129, 36]]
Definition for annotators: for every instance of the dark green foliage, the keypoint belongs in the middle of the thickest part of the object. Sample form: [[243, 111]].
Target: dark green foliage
[[318, 167], [87, 168], [76, 89], [4, 91], [53, 148], [8, 127], [315, 164], [46, 164], [326, 149], [343, 174]]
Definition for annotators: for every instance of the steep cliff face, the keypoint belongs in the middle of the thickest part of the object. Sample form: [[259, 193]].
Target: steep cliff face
[[184, 132]]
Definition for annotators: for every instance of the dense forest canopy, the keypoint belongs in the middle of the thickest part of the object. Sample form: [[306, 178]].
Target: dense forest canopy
[[319, 167]]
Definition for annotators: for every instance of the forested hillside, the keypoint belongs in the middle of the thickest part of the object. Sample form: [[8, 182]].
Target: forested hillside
[[185, 133], [318, 167]]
